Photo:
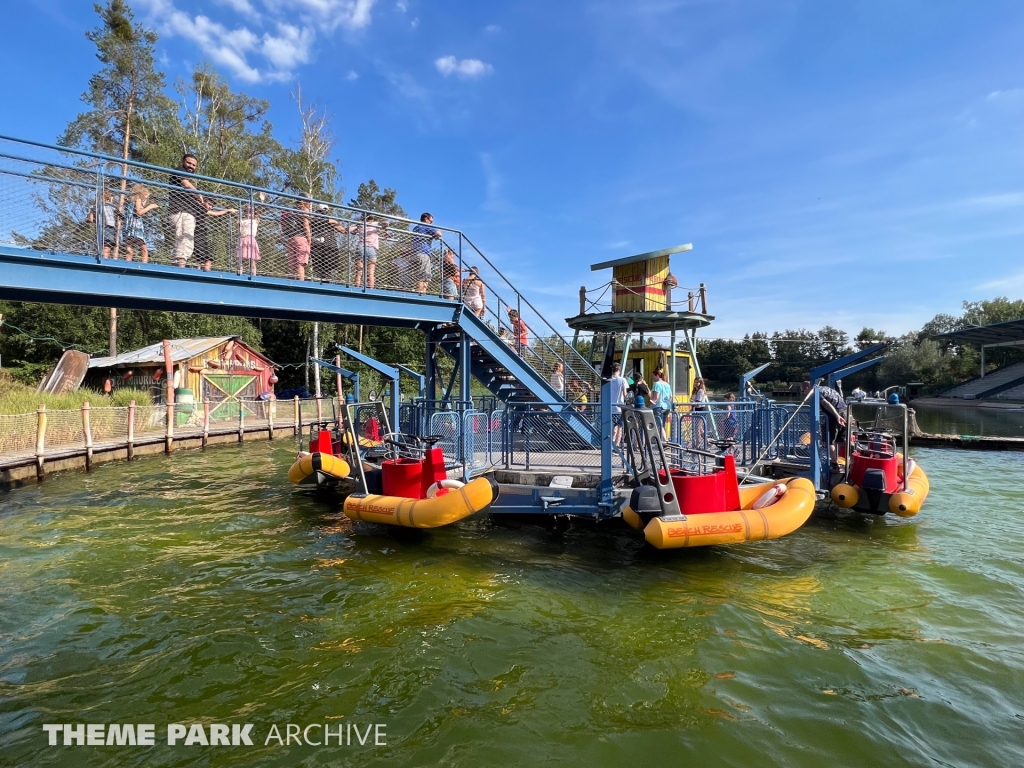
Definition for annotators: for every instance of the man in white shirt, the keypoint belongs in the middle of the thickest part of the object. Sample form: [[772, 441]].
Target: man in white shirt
[[618, 388]]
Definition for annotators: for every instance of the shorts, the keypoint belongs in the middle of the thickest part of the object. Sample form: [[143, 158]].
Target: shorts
[[616, 419], [659, 416], [448, 287], [298, 252], [368, 253], [109, 235], [421, 267]]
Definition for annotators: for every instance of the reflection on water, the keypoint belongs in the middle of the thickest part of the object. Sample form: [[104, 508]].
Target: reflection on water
[[973, 420], [203, 588]]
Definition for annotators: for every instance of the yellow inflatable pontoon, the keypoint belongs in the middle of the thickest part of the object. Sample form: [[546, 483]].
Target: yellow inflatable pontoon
[[782, 516], [318, 468], [449, 506]]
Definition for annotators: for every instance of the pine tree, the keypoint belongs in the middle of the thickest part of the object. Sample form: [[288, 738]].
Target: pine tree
[[125, 95]]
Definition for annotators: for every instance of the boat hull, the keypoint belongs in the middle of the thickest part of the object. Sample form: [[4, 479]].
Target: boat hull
[[444, 509], [318, 469], [787, 514]]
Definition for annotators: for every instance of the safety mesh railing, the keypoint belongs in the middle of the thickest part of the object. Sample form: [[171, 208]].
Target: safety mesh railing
[[536, 435], [17, 435], [67, 201], [64, 430]]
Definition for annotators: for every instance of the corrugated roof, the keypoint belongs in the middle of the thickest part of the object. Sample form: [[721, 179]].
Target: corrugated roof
[[642, 257], [997, 333], [181, 349]]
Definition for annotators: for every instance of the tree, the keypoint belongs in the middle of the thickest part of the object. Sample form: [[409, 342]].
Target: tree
[[124, 95], [227, 131], [370, 198], [309, 168]]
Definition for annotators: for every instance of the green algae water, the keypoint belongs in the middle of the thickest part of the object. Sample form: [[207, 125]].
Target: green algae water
[[203, 589]]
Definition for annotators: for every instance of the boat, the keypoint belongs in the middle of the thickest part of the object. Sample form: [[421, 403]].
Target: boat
[[415, 490], [876, 476], [714, 509]]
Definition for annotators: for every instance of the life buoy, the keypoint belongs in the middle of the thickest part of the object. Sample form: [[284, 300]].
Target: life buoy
[[911, 465], [446, 485], [770, 496]]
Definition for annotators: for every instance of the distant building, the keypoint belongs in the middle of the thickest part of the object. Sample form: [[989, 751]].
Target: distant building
[[221, 370]]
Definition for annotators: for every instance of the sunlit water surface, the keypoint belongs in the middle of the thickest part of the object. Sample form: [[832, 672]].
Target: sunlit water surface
[[202, 588]]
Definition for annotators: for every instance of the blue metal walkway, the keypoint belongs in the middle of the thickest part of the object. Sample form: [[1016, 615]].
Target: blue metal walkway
[[254, 243]]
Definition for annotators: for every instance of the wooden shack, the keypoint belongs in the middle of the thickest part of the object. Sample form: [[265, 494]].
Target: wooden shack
[[221, 370]]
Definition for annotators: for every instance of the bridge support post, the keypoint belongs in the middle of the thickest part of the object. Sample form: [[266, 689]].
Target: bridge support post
[[40, 442], [206, 423], [87, 433], [169, 433], [131, 430], [297, 428]]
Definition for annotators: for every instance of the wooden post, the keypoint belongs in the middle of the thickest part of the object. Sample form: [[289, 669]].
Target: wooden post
[[583, 299], [206, 423], [40, 441], [703, 299], [131, 430], [298, 417], [337, 377], [692, 301], [87, 431], [169, 371], [319, 410], [169, 435], [268, 405], [241, 421]]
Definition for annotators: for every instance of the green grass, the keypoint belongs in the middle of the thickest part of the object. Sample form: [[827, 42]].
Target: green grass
[[19, 398]]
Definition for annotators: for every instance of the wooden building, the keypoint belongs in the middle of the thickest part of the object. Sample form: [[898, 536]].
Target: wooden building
[[221, 370]]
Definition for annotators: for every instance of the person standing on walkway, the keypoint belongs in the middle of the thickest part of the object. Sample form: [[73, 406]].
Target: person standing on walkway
[[423, 236], [184, 204], [474, 294], [558, 379], [136, 233], [618, 388], [368, 232], [661, 400], [297, 235], [450, 277]]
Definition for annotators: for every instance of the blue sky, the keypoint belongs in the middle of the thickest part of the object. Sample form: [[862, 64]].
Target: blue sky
[[853, 164]]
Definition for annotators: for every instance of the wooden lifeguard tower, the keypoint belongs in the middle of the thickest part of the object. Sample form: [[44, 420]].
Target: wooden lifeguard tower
[[642, 301]]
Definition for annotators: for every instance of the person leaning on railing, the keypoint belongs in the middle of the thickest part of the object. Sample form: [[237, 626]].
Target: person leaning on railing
[[422, 238]]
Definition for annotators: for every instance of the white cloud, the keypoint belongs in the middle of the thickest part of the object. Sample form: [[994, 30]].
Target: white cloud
[[241, 6], [492, 28], [289, 49], [402, 6], [239, 50], [351, 14], [465, 69], [352, 75]]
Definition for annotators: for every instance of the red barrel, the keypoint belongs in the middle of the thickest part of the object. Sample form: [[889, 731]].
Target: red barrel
[[403, 477]]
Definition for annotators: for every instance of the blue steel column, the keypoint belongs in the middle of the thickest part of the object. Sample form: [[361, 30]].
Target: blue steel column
[[606, 489], [431, 367], [815, 437], [464, 373]]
